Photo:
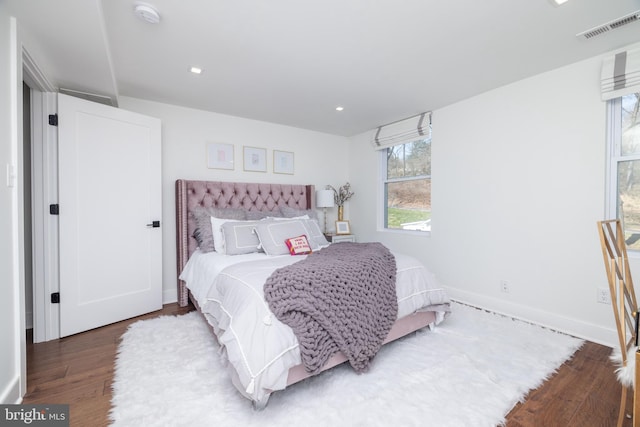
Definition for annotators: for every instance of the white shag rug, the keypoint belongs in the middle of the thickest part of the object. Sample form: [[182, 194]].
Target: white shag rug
[[470, 371]]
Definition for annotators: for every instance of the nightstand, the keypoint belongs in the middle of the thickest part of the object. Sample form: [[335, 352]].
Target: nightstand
[[336, 238]]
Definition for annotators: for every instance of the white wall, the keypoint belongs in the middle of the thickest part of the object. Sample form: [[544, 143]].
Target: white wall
[[11, 327], [518, 185], [185, 133], [8, 325]]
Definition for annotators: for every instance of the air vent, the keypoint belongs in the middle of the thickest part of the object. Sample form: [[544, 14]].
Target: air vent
[[611, 25]]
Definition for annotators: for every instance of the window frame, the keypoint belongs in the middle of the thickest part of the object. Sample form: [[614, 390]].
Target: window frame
[[614, 157], [382, 215]]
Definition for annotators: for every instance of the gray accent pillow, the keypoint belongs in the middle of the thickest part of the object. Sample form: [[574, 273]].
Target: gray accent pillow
[[240, 237], [288, 212], [272, 235], [202, 217]]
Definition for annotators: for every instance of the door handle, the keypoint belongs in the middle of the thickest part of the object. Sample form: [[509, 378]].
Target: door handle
[[154, 224]]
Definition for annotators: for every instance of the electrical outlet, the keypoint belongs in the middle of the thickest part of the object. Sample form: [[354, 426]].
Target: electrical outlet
[[603, 296], [504, 286]]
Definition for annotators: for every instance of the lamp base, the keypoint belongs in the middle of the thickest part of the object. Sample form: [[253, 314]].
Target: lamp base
[[325, 220]]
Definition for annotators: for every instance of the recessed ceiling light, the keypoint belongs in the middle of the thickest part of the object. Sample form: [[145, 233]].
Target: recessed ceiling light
[[195, 70], [339, 108], [146, 12], [558, 2]]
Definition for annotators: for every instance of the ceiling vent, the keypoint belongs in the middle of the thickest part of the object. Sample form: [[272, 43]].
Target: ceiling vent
[[100, 99], [609, 26]]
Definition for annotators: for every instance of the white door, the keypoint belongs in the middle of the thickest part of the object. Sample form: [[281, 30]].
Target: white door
[[109, 196]]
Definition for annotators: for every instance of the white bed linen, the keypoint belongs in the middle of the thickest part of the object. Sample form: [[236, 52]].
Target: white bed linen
[[204, 267], [229, 290]]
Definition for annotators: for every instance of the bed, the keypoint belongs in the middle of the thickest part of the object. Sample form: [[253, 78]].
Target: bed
[[229, 288]]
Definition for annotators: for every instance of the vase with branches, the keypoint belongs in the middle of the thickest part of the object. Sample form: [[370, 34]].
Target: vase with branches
[[340, 196]]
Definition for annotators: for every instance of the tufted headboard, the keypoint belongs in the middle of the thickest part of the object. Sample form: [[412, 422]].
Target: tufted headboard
[[218, 194]]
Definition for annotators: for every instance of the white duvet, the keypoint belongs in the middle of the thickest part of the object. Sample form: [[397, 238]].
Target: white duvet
[[261, 349]]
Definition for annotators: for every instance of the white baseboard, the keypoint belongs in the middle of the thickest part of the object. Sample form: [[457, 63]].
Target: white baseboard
[[567, 325], [169, 296], [11, 393]]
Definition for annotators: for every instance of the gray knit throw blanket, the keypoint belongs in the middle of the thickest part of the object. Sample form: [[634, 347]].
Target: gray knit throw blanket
[[342, 297]]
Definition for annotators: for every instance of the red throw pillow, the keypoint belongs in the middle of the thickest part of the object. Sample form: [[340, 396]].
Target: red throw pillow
[[298, 245]]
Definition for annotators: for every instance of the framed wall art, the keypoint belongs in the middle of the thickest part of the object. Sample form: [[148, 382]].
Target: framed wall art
[[220, 156], [343, 227], [255, 159], [283, 162]]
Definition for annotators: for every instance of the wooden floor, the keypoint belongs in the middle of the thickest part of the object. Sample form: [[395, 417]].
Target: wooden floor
[[78, 370]]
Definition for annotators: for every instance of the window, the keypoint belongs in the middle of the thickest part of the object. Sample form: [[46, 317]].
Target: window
[[624, 165], [406, 172]]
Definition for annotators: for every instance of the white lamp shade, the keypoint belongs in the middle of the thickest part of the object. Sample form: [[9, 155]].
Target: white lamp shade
[[324, 199]]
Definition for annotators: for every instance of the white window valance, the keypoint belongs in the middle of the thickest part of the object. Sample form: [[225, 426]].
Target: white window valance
[[402, 131], [620, 74]]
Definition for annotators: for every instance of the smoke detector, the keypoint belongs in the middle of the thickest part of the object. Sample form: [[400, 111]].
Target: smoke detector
[[146, 12]]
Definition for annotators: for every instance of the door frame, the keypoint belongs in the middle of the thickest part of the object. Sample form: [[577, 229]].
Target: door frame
[[46, 319]]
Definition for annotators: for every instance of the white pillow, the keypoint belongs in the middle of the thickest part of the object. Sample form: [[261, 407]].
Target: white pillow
[[216, 230], [280, 218]]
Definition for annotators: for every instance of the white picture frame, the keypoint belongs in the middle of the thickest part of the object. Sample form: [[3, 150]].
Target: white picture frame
[[255, 159], [283, 162], [220, 156]]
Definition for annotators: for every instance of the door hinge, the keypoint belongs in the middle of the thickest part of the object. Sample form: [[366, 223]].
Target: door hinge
[[53, 119], [54, 209], [55, 298]]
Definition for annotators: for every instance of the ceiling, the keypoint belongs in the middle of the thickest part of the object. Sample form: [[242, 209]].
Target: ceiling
[[293, 62]]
